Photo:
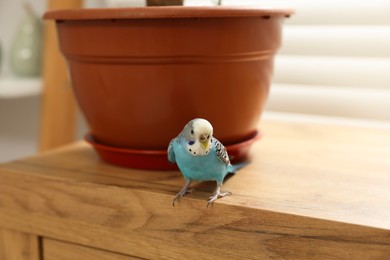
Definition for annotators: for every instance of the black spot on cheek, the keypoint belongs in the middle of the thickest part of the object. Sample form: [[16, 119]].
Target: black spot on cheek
[[194, 152], [190, 150], [191, 142]]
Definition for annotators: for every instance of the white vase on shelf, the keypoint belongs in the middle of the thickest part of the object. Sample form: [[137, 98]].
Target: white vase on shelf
[[25, 53]]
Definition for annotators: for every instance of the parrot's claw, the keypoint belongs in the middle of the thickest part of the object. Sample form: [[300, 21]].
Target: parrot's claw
[[181, 194], [177, 197], [216, 196], [190, 191]]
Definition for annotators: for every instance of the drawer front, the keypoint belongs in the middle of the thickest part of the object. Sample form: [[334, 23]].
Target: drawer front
[[57, 250]]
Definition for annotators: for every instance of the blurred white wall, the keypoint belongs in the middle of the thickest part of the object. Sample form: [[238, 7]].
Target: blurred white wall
[[19, 118]]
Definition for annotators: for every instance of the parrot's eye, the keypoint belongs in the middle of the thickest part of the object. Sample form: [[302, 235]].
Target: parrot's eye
[[192, 132], [208, 137]]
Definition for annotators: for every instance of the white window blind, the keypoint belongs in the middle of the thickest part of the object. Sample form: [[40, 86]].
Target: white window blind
[[335, 59]]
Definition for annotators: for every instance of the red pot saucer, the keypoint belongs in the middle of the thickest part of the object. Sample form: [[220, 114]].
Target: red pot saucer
[[157, 159]]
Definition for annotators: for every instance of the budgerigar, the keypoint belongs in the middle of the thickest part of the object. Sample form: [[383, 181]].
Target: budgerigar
[[200, 157]]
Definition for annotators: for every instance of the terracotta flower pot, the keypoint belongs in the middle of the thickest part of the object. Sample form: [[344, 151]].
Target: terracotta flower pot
[[140, 74]]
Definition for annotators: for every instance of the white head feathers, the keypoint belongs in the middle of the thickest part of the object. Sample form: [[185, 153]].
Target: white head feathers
[[202, 126], [200, 132]]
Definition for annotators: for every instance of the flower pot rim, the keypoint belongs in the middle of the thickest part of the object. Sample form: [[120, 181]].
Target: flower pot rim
[[158, 159], [167, 12], [250, 139]]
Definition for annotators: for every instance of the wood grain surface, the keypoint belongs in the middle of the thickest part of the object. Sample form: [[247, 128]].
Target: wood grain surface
[[311, 191]]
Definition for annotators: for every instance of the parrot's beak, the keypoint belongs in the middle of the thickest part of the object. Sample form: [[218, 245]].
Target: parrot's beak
[[204, 144]]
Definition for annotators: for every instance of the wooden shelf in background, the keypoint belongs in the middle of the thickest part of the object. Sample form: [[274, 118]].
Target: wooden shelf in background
[[12, 87]]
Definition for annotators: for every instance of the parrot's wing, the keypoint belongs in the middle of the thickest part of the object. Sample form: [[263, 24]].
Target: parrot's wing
[[221, 151], [171, 153]]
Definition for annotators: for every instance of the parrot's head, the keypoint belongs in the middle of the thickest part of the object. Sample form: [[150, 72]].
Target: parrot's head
[[198, 133]]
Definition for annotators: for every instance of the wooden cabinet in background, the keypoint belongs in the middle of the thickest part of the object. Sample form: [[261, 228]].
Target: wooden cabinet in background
[[57, 250], [17, 245]]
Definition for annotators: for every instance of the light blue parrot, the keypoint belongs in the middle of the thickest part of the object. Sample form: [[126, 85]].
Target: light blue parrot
[[200, 157]]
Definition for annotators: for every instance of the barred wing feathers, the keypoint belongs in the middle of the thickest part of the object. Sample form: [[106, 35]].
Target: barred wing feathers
[[171, 153], [221, 151]]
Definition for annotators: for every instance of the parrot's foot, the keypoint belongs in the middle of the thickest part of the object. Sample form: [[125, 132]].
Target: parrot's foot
[[190, 191], [182, 193], [177, 198], [216, 196]]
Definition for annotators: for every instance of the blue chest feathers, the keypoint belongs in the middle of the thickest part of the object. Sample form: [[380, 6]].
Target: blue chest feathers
[[204, 167]]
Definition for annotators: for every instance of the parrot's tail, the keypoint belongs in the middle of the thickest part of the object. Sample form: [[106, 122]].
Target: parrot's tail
[[235, 167]]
